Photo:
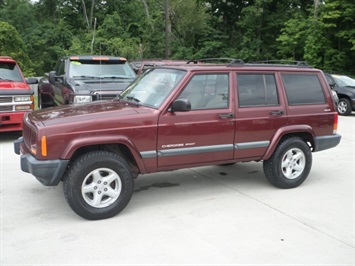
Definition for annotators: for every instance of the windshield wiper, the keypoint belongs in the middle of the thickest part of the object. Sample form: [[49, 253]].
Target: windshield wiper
[[83, 76], [115, 77], [130, 97]]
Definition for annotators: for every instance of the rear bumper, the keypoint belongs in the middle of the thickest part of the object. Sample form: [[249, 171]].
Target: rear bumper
[[48, 172], [326, 142]]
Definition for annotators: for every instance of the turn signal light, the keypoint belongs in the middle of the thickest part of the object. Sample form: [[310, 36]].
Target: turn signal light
[[44, 146]]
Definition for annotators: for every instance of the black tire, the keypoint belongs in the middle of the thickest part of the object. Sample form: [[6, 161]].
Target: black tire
[[290, 163], [98, 185], [344, 106]]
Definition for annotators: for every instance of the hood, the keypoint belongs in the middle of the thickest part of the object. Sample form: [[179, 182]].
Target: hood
[[94, 113], [13, 85]]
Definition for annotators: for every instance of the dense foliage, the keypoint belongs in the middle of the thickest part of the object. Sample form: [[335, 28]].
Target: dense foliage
[[37, 32]]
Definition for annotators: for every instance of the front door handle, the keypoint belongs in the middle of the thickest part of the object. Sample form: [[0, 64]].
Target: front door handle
[[229, 115], [277, 113]]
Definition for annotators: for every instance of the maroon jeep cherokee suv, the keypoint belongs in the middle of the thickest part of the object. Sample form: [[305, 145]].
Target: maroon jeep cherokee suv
[[175, 117]]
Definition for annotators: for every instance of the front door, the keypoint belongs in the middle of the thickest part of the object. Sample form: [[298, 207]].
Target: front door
[[204, 134]]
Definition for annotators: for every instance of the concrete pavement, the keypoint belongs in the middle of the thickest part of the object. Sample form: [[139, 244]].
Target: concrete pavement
[[216, 215]]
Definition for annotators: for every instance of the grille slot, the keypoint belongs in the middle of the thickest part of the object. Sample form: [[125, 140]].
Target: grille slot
[[29, 135], [6, 108], [6, 99]]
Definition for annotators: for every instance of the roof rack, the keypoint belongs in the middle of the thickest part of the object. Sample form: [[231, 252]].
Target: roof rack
[[222, 59], [283, 62]]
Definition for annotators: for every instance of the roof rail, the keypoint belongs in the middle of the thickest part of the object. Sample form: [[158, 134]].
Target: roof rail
[[284, 62], [222, 59]]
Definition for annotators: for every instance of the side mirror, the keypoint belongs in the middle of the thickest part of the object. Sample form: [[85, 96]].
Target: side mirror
[[52, 77], [181, 105], [31, 80], [331, 83]]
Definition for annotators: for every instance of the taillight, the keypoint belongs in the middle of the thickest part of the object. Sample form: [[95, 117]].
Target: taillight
[[335, 125]]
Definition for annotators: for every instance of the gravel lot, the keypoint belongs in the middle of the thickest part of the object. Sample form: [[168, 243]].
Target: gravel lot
[[216, 215]]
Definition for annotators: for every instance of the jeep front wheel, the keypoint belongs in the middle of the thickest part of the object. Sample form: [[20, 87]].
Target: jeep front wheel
[[290, 163], [98, 185]]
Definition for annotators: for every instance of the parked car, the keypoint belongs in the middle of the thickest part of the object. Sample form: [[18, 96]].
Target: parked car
[[16, 96], [174, 117], [344, 86], [84, 78]]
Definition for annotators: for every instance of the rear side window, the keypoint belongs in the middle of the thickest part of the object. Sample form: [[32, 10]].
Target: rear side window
[[257, 90], [303, 89]]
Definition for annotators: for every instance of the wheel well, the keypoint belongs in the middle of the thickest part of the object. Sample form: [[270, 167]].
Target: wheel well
[[307, 137], [340, 95], [118, 149]]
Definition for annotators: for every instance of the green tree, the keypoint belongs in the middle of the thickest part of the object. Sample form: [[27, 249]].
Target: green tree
[[12, 45]]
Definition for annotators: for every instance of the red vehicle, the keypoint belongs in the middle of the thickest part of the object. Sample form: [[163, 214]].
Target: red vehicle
[[174, 117], [16, 97]]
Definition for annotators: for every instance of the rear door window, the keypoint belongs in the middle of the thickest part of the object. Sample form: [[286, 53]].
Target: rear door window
[[257, 90], [302, 89]]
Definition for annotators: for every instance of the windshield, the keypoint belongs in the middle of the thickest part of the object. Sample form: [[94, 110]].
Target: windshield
[[101, 69], [343, 81], [9, 72], [153, 86]]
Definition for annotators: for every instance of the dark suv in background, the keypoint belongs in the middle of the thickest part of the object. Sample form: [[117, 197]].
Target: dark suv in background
[[182, 116], [344, 86], [84, 78]]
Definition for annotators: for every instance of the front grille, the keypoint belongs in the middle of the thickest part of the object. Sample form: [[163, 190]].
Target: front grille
[[105, 95], [6, 99], [29, 134], [8, 103], [6, 108]]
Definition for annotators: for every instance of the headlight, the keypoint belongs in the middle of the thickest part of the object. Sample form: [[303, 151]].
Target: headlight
[[82, 98], [22, 98], [23, 107]]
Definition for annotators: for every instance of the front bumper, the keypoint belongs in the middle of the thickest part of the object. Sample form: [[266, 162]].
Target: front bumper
[[48, 172], [11, 121]]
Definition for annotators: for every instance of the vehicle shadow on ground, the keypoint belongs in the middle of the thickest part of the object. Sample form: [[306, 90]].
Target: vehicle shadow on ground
[[8, 136]]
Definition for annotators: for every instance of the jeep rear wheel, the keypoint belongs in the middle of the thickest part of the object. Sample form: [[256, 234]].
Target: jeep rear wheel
[[344, 106], [290, 163], [98, 185]]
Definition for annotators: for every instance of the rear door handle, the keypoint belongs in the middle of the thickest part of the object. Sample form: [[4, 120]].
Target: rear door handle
[[277, 113], [229, 115]]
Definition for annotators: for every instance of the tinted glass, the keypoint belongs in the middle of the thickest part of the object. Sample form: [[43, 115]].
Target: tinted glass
[[101, 69], [257, 90], [10, 72], [303, 89]]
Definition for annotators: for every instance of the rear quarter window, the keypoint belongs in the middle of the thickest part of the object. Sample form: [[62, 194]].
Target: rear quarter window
[[302, 89]]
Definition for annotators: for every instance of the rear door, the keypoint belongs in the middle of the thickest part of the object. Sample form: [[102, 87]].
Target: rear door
[[260, 113], [204, 134]]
